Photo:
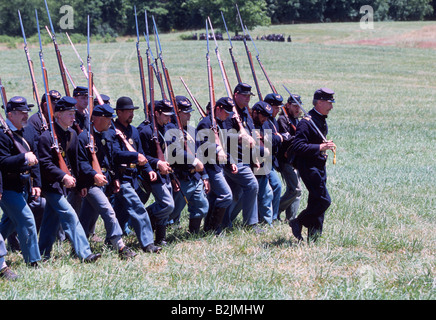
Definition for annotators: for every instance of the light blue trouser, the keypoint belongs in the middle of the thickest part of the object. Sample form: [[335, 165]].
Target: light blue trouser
[[3, 250], [290, 200], [197, 201], [17, 216], [244, 187], [220, 194], [264, 199], [59, 210], [163, 205], [276, 186], [97, 204], [128, 207]]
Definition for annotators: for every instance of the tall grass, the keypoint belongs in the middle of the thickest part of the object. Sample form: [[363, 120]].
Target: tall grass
[[379, 240]]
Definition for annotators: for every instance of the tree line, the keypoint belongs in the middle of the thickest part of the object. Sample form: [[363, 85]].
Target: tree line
[[116, 17]]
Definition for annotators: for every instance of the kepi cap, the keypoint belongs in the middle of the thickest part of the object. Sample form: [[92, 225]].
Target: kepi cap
[[103, 110], [273, 99], [105, 98], [263, 108], [80, 91], [296, 97], [324, 94], [164, 106], [18, 103], [54, 95], [184, 104], [243, 88], [65, 104], [226, 103]]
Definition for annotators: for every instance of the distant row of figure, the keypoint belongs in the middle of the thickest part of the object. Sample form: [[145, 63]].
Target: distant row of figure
[[219, 36]]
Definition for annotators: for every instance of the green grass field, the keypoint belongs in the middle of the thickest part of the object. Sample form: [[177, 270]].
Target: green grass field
[[379, 236]]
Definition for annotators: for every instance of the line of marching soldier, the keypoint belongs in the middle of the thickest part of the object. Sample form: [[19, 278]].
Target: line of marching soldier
[[38, 197]]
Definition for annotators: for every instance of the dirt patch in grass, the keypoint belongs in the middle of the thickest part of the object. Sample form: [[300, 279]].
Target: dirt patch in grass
[[424, 37]]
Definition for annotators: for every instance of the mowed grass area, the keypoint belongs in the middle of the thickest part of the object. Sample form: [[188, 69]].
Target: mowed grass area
[[379, 239]]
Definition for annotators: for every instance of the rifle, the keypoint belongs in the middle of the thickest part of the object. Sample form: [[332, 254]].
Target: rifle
[[150, 70], [91, 146], [5, 126], [250, 59], [199, 108], [152, 60], [158, 73], [32, 77], [85, 72], [221, 64], [58, 54], [119, 134], [235, 64], [266, 75], [312, 122], [141, 71], [174, 179], [55, 146], [212, 96], [172, 97], [226, 83]]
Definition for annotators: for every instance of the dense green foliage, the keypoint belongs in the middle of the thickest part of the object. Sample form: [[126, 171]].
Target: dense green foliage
[[116, 17]]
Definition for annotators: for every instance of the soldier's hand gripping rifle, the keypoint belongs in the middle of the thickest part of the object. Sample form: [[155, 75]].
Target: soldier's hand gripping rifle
[[55, 146], [58, 55], [3, 123], [32, 77], [92, 148], [250, 59], [235, 64], [312, 122]]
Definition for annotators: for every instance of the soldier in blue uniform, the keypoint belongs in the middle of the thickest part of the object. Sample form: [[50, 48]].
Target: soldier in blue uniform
[[261, 112], [290, 200], [82, 115], [244, 184], [35, 120], [56, 182], [275, 100], [129, 160], [21, 179], [192, 177], [5, 272], [155, 148], [220, 195], [97, 185], [310, 151]]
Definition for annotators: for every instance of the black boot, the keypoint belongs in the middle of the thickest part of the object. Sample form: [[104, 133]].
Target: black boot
[[207, 220], [216, 218], [161, 231], [194, 225]]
